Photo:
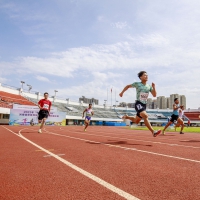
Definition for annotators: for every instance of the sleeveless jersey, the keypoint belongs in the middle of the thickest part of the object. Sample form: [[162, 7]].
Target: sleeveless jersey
[[89, 112], [175, 112]]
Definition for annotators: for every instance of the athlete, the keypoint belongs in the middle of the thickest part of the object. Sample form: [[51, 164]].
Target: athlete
[[32, 122], [89, 114], [188, 124], [24, 121], [180, 112], [175, 117], [45, 107], [142, 89]]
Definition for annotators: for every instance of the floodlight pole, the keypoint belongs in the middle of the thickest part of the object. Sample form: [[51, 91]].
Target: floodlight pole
[[30, 87], [22, 82]]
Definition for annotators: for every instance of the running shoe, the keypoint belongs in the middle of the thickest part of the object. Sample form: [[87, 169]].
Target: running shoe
[[85, 130], [163, 132], [181, 133], [39, 131], [155, 133]]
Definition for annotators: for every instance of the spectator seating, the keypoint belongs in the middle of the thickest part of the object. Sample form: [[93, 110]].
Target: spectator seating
[[7, 100], [192, 115]]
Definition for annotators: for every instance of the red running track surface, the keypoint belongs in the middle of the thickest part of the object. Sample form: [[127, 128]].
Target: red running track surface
[[102, 163]]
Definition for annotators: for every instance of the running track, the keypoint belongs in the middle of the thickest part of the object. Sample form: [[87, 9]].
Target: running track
[[102, 163]]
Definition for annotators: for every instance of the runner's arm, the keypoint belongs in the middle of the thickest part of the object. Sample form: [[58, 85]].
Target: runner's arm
[[175, 107], [153, 91], [124, 90], [40, 107], [84, 112], [49, 109]]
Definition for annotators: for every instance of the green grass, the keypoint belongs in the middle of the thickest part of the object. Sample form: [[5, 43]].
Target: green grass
[[187, 130]]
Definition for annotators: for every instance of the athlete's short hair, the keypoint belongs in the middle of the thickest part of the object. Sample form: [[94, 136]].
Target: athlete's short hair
[[46, 93], [175, 99], [90, 104], [141, 73]]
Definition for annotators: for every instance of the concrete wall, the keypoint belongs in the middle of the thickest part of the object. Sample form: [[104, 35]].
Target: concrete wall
[[3, 121], [4, 110]]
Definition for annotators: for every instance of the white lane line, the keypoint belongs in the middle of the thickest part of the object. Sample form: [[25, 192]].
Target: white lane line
[[80, 170], [147, 141], [55, 154], [133, 149]]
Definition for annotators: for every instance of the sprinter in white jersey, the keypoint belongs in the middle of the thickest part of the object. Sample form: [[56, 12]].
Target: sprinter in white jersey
[[181, 113], [89, 112]]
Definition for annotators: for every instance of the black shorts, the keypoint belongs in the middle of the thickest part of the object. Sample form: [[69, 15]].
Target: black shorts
[[140, 107], [174, 118], [43, 114]]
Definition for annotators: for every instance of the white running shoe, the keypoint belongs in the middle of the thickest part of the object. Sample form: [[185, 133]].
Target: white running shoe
[[39, 131]]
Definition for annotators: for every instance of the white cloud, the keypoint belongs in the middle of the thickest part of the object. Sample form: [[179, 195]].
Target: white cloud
[[173, 69], [42, 78], [120, 25], [2, 80], [100, 18]]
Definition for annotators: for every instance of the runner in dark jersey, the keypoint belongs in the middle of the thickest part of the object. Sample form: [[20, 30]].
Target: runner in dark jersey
[[45, 107], [142, 89], [175, 117]]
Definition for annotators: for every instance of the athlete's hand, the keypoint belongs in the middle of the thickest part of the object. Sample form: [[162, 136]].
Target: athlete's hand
[[121, 94], [153, 85]]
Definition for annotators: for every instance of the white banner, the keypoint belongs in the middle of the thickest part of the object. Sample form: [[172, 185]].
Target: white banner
[[25, 117], [36, 108]]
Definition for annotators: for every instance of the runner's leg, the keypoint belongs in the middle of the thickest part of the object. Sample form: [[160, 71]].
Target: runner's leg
[[168, 124], [43, 122], [86, 124], [180, 121], [177, 125], [133, 119], [144, 115]]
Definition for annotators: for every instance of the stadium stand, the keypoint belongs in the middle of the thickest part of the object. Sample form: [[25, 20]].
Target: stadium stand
[[8, 99], [192, 115], [77, 110]]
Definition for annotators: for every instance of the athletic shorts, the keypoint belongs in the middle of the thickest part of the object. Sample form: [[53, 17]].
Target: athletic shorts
[[43, 114], [174, 118], [139, 107], [88, 118]]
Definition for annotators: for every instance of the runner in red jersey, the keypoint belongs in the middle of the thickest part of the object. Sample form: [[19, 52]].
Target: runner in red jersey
[[45, 107]]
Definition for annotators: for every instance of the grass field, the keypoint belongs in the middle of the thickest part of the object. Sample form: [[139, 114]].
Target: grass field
[[187, 130]]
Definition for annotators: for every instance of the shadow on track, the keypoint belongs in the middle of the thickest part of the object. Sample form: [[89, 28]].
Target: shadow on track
[[114, 142], [191, 141]]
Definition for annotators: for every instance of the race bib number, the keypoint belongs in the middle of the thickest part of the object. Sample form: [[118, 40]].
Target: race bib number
[[143, 96], [46, 106], [89, 113]]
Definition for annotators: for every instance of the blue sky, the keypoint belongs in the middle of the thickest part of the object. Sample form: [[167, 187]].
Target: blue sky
[[83, 47]]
